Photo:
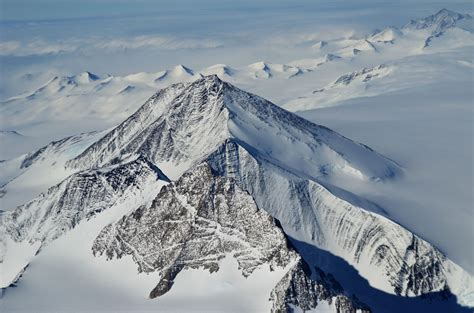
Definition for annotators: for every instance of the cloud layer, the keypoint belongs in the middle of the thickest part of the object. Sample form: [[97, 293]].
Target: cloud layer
[[41, 47]]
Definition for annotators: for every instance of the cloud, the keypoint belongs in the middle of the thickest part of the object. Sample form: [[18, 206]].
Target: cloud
[[42, 47], [166, 43], [35, 47]]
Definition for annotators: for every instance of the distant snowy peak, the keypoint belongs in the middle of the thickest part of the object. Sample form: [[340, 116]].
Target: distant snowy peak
[[127, 89], [221, 70], [10, 133], [260, 70], [353, 47], [331, 57], [363, 75], [85, 78], [60, 84], [75, 80], [179, 70], [263, 70], [178, 73], [312, 64], [143, 77], [425, 29], [319, 45], [387, 35], [440, 21]]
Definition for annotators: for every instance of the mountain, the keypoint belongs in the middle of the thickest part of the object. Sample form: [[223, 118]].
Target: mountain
[[352, 47], [79, 197], [63, 84], [216, 172], [319, 45], [221, 70], [364, 75], [201, 218], [63, 105], [176, 124], [352, 80], [262, 70], [440, 21], [177, 74], [387, 35]]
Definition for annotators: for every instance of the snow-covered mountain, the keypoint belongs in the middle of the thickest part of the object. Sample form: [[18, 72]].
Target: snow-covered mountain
[[387, 35], [440, 21], [215, 172], [62, 101]]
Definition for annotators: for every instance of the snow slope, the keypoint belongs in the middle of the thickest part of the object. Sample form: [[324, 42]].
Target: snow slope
[[404, 92]]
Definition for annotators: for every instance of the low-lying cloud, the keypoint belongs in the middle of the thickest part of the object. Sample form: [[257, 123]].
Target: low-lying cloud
[[42, 47]]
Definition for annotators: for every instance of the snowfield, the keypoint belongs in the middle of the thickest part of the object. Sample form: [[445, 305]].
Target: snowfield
[[184, 186]]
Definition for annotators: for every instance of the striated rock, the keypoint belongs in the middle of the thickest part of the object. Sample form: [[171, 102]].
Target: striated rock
[[79, 197], [387, 254], [201, 218], [186, 123], [303, 289], [194, 223]]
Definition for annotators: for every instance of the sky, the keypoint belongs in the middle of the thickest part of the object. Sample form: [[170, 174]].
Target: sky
[[39, 38]]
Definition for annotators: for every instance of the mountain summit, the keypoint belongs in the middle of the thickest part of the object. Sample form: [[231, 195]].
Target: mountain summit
[[204, 171], [185, 122], [440, 21]]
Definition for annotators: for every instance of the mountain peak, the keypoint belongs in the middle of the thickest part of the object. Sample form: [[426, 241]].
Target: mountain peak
[[85, 77], [446, 12], [187, 122], [222, 70], [181, 69], [179, 73], [438, 22]]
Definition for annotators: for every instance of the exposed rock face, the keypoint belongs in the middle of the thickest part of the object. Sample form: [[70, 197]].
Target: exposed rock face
[[201, 218], [301, 288], [79, 197], [440, 22], [364, 75], [168, 128], [194, 223], [421, 266], [376, 246]]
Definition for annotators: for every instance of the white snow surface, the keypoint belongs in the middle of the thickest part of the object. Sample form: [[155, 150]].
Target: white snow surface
[[417, 111]]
